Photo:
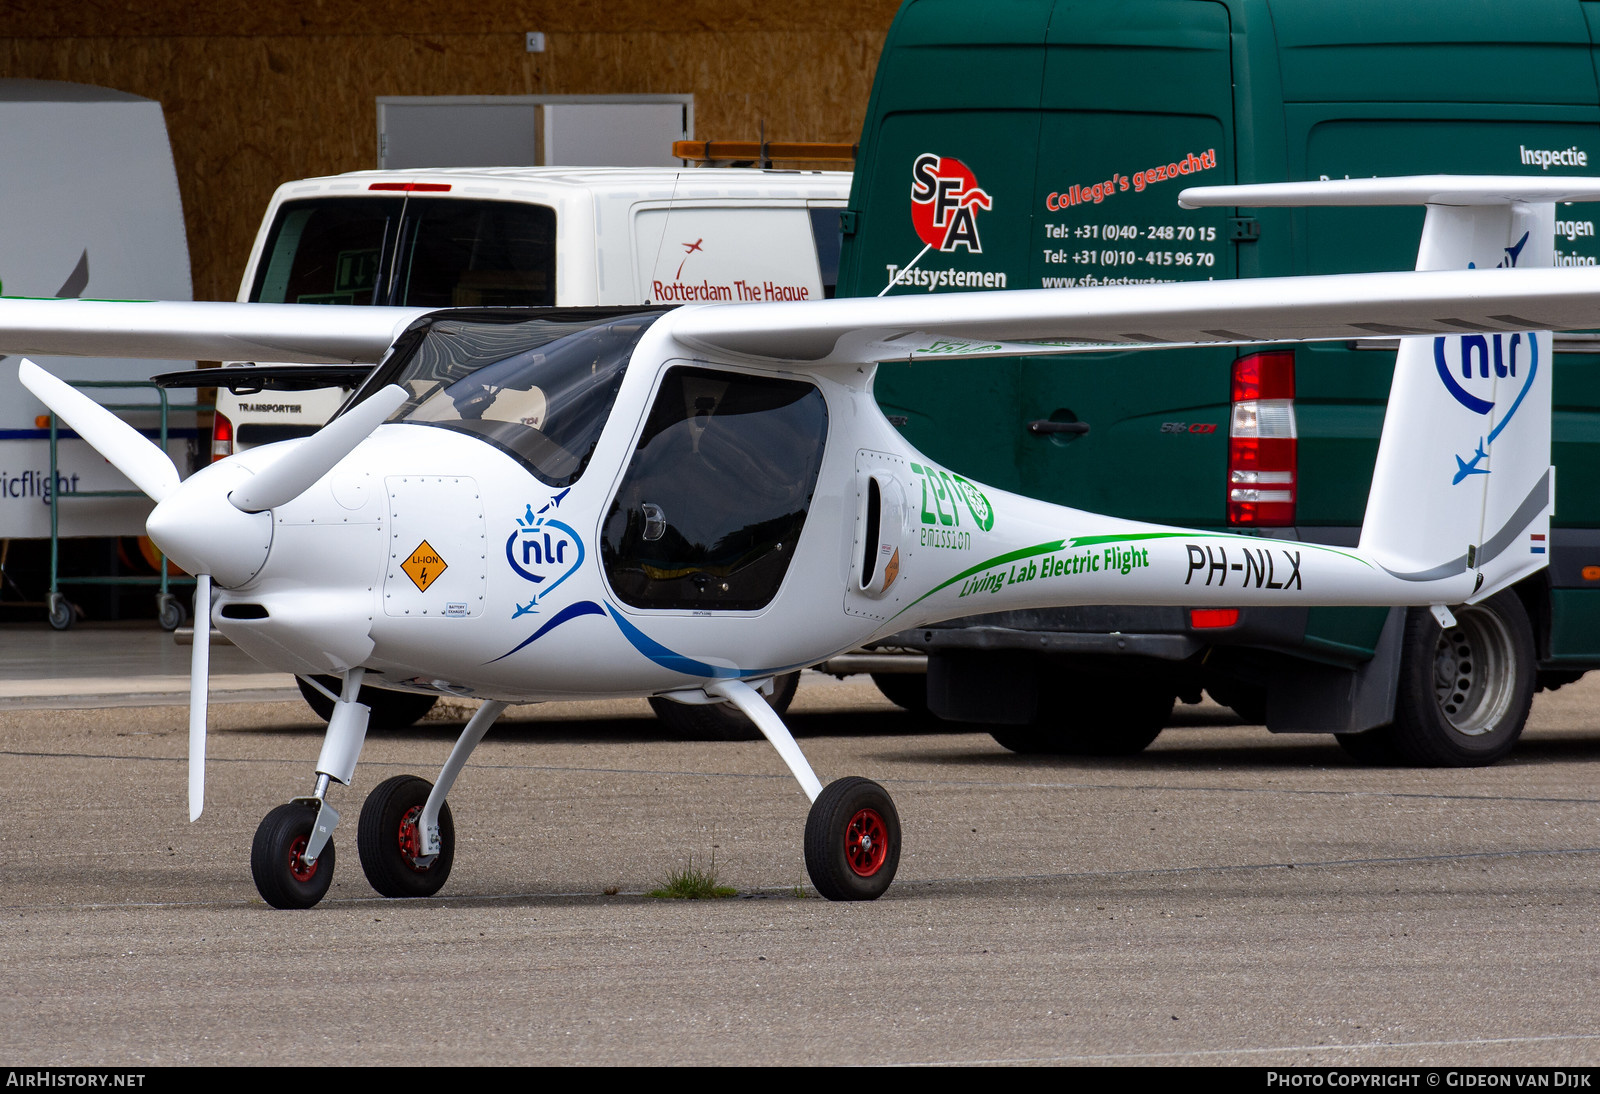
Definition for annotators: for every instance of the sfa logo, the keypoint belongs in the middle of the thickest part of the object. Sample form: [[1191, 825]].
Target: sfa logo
[[543, 550], [945, 197]]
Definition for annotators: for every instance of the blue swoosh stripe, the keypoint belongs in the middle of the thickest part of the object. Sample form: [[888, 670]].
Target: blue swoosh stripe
[[571, 611], [664, 657]]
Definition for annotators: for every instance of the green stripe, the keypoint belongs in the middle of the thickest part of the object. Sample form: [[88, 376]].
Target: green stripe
[[997, 560], [1092, 541]]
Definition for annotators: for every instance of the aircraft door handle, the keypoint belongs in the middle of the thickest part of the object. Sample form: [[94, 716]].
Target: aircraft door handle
[[655, 521], [1044, 427]]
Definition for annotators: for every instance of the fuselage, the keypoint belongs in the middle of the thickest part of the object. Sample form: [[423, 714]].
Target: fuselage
[[712, 520]]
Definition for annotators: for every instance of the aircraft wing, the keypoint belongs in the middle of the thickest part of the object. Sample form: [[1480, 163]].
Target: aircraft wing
[[207, 331], [1042, 321]]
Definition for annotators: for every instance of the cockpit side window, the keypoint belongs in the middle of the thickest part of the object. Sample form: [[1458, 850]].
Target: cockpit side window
[[716, 494], [540, 389]]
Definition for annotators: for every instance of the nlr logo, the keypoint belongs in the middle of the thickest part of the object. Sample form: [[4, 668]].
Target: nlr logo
[[945, 197], [1483, 362], [540, 549]]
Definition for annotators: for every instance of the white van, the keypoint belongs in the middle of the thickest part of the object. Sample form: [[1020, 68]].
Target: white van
[[465, 237]]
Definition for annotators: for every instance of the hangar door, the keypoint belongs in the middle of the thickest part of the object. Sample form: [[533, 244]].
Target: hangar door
[[532, 130]]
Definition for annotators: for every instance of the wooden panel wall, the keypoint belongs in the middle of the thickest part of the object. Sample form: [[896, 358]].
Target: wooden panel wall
[[258, 93]]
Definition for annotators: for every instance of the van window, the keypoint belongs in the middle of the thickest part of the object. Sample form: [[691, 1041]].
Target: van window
[[716, 494], [827, 230], [419, 252], [476, 254], [327, 251]]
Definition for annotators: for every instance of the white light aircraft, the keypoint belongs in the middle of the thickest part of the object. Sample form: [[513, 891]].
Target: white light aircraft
[[522, 505]]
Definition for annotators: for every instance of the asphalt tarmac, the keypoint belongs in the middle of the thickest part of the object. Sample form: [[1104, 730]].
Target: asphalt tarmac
[[1227, 897]]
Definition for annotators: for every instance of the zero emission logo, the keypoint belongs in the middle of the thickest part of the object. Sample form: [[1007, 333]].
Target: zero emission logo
[[945, 199]]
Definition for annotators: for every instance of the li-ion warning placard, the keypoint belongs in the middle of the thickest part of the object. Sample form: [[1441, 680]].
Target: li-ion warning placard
[[424, 566]]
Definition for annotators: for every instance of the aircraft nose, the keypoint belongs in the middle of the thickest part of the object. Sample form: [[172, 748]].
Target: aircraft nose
[[203, 532]]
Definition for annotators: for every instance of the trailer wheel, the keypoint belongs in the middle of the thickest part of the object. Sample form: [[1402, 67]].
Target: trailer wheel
[[60, 612], [1465, 692]]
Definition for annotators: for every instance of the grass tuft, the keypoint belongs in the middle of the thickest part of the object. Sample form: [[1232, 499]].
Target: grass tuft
[[691, 883]]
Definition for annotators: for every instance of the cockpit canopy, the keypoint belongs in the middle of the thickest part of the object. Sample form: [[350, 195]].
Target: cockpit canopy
[[537, 385]]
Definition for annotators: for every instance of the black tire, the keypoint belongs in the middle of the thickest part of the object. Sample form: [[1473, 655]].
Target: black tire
[[283, 879], [721, 721], [1119, 718], [852, 840], [60, 612], [390, 709], [387, 837], [1464, 694], [907, 690]]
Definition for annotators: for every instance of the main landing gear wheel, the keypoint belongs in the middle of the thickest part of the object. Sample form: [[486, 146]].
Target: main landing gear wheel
[[852, 840], [283, 878], [389, 840]]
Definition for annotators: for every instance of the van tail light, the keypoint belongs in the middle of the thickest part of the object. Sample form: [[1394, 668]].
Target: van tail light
[[1261, 441], [413, 187], [221, 438]]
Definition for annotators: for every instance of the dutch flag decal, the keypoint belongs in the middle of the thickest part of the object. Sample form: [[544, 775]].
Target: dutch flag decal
[[1536, 543]]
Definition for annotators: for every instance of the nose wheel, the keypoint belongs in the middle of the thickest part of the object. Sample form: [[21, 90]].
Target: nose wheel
[[852, 840], [390, 842], [283, 877]]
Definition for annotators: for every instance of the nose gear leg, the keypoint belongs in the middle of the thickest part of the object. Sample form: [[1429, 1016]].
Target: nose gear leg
[[341, 747]]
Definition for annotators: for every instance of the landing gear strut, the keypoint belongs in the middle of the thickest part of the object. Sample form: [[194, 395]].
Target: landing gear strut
[[406, 835], [852, 832]]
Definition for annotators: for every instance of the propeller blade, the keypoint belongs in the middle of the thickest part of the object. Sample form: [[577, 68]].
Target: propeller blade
[[129, 451], [302, 466], [199, 681]]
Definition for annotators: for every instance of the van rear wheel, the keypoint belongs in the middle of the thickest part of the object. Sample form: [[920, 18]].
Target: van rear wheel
[[1464, 693]]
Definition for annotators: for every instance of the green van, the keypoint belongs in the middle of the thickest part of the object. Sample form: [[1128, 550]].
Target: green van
[[1043, 143]]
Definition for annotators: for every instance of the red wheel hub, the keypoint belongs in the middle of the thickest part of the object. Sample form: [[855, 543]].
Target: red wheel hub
[[866, 842], [411, 839], [299, 869]]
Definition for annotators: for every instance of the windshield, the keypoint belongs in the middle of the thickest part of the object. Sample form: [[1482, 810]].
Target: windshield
[[539, 389]]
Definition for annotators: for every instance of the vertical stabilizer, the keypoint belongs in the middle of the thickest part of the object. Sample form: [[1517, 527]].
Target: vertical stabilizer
[[1463, 482]]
